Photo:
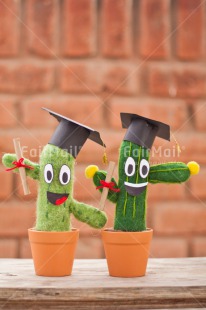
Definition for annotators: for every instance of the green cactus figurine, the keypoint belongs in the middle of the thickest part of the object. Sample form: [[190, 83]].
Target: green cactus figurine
[[55, 173], [135, 172]]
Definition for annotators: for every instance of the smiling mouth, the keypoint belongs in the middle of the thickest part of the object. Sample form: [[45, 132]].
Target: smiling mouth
[[135, 189], [56, 199]]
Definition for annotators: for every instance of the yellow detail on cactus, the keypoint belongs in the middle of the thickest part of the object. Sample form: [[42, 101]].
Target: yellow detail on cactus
[[193, 167], [90, 171]]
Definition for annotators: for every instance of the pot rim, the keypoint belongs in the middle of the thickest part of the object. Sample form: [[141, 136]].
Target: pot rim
[[33, 230], [126, 237], [52, 237], [111, 230]]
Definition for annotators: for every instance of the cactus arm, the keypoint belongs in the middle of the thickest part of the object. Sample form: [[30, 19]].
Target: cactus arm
[[101, 175], [88, 214], [174, 172], [8, 159]]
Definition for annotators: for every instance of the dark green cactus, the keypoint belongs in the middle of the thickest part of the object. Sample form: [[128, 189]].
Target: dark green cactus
[[55, 200], [134, 175]]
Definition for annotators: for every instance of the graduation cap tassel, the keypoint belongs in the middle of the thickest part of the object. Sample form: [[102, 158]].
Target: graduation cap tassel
[[104, 158]]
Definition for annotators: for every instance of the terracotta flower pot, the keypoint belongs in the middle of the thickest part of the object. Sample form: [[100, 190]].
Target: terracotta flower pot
[[53, 252], [127, 252]]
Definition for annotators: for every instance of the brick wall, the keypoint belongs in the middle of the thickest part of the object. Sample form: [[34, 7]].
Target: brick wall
[[90, 60]]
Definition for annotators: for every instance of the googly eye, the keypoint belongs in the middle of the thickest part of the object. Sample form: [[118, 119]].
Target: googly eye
[[144, 168], [48, 173], [129, 167], [64, 175]]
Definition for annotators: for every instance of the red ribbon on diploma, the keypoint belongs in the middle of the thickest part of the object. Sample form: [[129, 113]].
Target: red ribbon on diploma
[[19, 164], [109, 185]]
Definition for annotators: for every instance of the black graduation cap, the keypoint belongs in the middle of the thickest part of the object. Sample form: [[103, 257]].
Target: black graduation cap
[[71, 136], [142, 130]]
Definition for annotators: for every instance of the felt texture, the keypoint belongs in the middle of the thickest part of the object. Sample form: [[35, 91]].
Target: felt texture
[[169, 173], [130, 212], [53, 214], [91, 216], [101, 175], [90, 171], [8, 159], [194, 167]]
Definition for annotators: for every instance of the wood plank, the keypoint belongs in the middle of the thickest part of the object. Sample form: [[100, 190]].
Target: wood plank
[[169, 283]]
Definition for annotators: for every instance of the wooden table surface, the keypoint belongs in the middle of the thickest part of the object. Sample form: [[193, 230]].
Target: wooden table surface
[[169, 283]]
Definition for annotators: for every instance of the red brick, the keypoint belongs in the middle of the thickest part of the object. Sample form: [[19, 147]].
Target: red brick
[[84, 189], [190, 82], [8, 248], [6, 181], [8, 116], [198, 246], [180, 218], [32, 142], [154, 28], [113, 141], [92, 153], [172, 112], [16, 218], [199, 115], [25, 78], [150, 214], [197, 185], [165, 192], [190, 27], [42, 24], [160, 82], [116, 30], [165, 151], [80, 78], [89, 247], [19, 189], [86, 110], [177, 81], [25, 249], [120, 80], [168, 247], [110, 211], [85, 229], [79, 28], [9, 28], [193, 145]]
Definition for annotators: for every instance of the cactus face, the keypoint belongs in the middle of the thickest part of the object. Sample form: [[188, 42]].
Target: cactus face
[[55, 202], [134, 175], [133, 180], [55, 195]]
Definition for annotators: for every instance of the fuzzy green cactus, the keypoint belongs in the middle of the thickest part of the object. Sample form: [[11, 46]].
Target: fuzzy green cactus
[[134, 176], [55, 201]]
